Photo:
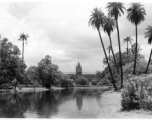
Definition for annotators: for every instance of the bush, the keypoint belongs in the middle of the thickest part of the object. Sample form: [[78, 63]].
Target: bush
[[94, 82], [136, 93], [104, 81], [81, 81], [67, 82]]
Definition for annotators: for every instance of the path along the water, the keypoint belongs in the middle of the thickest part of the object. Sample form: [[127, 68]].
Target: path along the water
[[111, 108]]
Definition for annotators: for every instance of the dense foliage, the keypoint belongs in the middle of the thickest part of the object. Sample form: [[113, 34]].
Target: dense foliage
[[11, 65], [81, 81], [137, 93]]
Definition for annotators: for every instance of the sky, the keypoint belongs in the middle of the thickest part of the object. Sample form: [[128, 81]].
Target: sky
[[59, 28]]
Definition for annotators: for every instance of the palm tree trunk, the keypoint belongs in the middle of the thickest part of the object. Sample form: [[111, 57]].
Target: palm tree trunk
[[127, 47], [113, 81], [134, 72], [113, 54], [23, 52], [120, 54], [148, 62]]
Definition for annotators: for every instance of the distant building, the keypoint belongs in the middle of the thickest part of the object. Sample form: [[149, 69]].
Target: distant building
[[78, 72], [78, 69]]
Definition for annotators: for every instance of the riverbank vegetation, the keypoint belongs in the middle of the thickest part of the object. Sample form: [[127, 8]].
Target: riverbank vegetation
[[127, 70], [46, 74]]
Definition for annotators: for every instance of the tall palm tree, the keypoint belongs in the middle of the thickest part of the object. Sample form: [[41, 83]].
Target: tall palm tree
[[96, 21], [148, 34], [127, 40], [114, 10], [136, 14], [108, 27], [109, 49], [23, 37]]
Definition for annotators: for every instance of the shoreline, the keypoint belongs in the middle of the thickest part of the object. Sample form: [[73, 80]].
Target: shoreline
[[29, 89], [111, 108]]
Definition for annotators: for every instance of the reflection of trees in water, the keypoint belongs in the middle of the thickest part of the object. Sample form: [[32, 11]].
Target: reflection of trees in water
[[9, 107], [45, 104]]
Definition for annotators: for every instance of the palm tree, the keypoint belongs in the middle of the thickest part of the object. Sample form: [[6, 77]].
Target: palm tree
[[23, 37], [136, 14], [96, 21], [148, 34], [108, 27], [109, 50], [114, 10], [126, 40]]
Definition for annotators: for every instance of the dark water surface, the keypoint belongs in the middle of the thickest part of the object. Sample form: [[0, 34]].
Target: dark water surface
[[67, 103]]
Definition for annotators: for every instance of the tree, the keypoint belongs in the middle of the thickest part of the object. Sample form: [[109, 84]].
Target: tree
[[126, 40], [81, 81], [136, 14], [148, 34], [114, 10], [32, 75], [11, 66], [47, 71], [96, 21], [23, 37], [109, 49], [108, 27]]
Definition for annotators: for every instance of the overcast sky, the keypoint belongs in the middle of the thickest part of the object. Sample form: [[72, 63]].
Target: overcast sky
[[59, 28]]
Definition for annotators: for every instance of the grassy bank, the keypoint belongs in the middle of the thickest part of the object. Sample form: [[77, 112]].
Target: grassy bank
[[111, 108]]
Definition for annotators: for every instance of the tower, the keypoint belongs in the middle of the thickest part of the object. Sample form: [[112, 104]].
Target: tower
[[78, 69]]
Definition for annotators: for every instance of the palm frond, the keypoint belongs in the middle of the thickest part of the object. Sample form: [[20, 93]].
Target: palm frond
[[115, 9], [136, 13], [128, 39], [97, 18], [109, 25], [23, 37], [148, 34]]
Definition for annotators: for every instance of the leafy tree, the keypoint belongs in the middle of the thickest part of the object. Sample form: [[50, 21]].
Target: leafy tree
[[82, 81], [127, 40], [97, 21], [11, 66], [148, 34], [136, 14], [47, 71], [23, 37], [108, 27], [94, 82], [114, 10], [32, 75], [99, 74], [67, 82]]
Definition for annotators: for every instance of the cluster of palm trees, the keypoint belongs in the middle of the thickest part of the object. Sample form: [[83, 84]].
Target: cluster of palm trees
[[135, 14]]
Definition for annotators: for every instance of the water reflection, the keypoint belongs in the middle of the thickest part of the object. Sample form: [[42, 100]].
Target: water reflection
[[45, 104]]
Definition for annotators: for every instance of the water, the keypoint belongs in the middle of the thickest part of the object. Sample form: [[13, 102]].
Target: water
[[70, 103]]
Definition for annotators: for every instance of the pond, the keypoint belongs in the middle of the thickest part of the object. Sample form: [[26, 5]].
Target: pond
[[65, 103]]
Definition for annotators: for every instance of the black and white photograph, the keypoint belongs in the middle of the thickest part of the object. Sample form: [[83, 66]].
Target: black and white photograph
[[75, 59]]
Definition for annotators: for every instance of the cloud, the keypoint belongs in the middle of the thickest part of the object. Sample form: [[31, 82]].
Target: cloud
[[60, 29]]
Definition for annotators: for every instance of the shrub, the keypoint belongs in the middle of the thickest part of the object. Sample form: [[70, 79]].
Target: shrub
[[94, 82], [136, 93], [104, 81], [82, 81], [67, 82]]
